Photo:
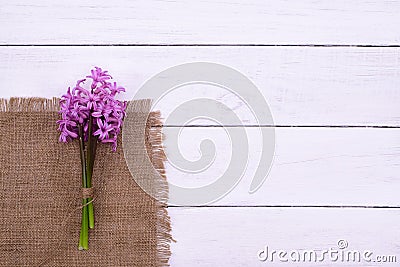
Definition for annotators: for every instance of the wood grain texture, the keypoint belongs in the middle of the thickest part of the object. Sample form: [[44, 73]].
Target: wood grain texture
[[353, 83], [234, 236], [200, 22], [302, 85], [311, 167]]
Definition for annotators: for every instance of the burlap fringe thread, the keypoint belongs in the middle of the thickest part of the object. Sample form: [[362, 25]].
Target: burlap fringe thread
[[34, 104], [158, 158], [155, 149]]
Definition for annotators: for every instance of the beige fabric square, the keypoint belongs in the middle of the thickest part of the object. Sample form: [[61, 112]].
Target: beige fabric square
[[40, 181]]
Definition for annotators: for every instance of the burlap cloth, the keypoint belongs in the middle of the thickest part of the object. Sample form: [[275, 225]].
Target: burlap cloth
[[40, 181]]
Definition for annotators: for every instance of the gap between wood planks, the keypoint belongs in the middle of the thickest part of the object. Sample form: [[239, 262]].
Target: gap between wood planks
[[210, 44], [288, 206], [279, 126]]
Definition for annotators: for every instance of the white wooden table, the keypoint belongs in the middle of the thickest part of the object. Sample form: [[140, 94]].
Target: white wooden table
[[329, 71]]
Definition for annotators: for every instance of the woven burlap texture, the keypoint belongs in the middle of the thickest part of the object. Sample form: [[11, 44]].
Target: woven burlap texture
[[40, 182]]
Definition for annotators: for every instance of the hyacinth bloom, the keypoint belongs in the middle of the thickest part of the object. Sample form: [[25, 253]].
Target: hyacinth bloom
[[92, 116]]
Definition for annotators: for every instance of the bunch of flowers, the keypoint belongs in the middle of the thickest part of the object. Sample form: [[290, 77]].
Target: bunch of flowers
[[92, 115]]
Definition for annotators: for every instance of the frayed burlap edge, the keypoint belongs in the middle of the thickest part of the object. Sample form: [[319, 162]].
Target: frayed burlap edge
[[155, 150], [31, 104], [155, 137]]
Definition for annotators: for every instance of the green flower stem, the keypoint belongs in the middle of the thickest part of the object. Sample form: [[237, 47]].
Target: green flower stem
[[84, 235], [90, 162]]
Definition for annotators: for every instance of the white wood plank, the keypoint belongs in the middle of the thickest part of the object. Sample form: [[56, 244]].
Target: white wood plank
[[303, 86], [197, 22], [234, 236], [312, 166]]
